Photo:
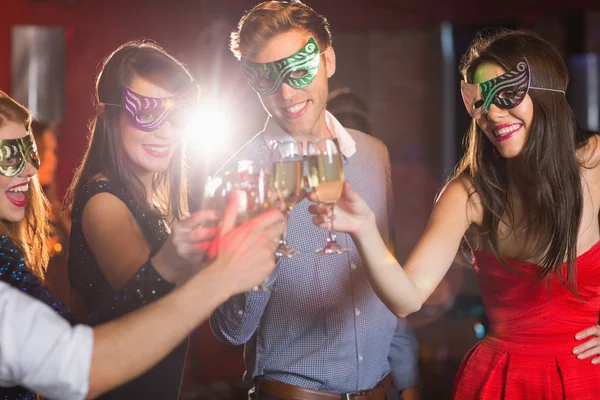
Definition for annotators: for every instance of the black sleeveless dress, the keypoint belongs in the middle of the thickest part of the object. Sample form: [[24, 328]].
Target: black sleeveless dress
[[103, 303], [14, 271]]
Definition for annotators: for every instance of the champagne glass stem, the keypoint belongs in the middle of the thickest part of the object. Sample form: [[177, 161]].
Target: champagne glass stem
[[330, 230], [283, 240]]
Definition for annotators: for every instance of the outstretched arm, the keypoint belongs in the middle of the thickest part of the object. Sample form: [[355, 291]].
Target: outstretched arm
[[41, 351], [405, 289], [120, 353], [244, 256]]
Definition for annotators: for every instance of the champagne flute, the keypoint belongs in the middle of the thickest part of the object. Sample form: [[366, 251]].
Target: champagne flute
[[326, 178], [253, 184], [287, 181], [254, 187], [216, 194], [256, 195]]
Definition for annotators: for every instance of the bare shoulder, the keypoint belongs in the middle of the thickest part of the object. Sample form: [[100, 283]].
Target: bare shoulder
[[107, 220], [115, 238], [106, 208], [460, 194]]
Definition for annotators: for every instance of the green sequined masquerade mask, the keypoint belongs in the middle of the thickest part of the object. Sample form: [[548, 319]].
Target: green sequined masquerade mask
[[16, 153], [297, 70]]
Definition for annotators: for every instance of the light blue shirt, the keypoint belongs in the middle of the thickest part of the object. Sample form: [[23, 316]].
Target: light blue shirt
[[322, 326]]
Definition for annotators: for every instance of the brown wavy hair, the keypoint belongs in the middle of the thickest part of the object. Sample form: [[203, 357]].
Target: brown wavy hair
[[269, 19], [104, 153], [30, 234], [548, 181]]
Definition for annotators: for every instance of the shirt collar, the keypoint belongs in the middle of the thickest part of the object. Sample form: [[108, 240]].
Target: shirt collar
[[347, 144]]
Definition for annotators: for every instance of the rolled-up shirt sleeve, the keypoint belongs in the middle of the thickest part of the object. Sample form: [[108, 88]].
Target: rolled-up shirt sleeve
[[40, 350], [404, 357]]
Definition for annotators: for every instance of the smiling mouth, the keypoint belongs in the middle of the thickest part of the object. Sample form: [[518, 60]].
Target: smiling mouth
[[157, 150], [505, 130], [296, 110], [17, 194]]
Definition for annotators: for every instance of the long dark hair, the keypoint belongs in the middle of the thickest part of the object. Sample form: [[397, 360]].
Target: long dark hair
[[104, 152], [548, 181], [29, 235]]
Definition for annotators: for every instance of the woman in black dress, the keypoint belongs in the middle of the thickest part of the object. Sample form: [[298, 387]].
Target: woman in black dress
[[127, 193]]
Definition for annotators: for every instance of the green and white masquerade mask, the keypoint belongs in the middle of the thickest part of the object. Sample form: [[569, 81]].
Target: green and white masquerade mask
[[297, 70], [16, 153], [505, 91]]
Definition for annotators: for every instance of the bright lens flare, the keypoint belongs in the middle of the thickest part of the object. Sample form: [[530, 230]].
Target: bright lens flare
[[208, 131]]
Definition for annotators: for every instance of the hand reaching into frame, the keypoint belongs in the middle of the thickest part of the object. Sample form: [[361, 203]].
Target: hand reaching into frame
[[351, 212], [245, 254]]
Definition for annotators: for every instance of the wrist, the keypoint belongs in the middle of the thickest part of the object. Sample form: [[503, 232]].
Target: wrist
[[213, 277], [163, 268], [208, 289], [216, 273], [367, 228]]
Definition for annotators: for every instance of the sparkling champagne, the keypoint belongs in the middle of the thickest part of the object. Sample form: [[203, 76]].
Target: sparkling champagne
[[326, 177], [288, 182]]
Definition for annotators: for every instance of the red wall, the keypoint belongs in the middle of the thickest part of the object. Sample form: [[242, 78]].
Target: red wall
[[96, 27]]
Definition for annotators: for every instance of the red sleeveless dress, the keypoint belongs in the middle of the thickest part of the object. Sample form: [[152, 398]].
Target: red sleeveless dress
[[528, 352]]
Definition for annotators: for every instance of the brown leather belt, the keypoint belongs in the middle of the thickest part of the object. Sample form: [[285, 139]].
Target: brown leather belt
[[284, 391]]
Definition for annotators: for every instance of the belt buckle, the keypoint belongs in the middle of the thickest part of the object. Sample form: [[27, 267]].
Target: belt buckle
[[347, 396]]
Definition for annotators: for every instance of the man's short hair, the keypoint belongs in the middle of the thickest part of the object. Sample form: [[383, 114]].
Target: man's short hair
[[271, 18]]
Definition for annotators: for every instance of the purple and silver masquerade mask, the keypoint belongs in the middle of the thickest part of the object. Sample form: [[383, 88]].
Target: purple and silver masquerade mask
[[505, 91], [150, 113]]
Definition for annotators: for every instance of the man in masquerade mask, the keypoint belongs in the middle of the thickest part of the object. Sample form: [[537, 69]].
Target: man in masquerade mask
[[321, 332]]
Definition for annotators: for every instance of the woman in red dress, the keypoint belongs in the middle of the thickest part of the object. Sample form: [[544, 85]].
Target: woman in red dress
[[525, 198]]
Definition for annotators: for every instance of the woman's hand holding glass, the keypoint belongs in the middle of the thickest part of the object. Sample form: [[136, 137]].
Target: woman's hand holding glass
[[186, 246], [352, 214]]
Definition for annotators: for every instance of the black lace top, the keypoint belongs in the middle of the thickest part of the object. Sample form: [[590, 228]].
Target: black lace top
[[103, 303]]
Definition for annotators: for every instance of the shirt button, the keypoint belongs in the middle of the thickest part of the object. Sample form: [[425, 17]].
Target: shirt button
[[360, 357], [240, 312], [356, 312], [352, 265]]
